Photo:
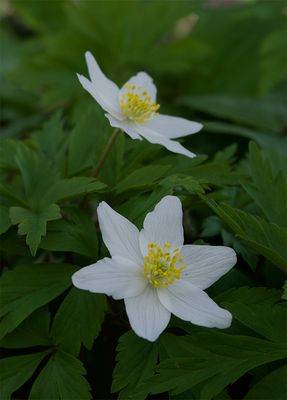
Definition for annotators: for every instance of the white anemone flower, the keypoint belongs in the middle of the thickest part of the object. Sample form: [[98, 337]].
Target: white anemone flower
[[134, 110], [155, 273]]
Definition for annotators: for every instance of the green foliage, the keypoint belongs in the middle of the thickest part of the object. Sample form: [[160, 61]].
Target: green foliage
[[28, 287], [137, 359], [61, 378], [222, 65], [16, 370], [72, 326], [33, 224]]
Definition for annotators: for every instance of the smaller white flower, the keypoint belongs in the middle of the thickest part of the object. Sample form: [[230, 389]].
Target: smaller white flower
[[134, 110], [155, 273]]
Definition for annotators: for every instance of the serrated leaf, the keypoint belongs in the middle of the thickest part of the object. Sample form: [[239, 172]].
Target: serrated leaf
[[272, 202], [33, 331], [272, 386], [142, 178], [5, 221], [78, 234], [78, 320], [136, 361], [38, 175], [66, 189], [28, 287], [33, 224], [15, 371], [61, 379], [265, 238], [202, 357], [267, 320], [183, 183]]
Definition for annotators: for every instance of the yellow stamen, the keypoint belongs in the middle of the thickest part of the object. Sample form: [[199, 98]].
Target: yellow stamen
[[136, 104], [161, 266]]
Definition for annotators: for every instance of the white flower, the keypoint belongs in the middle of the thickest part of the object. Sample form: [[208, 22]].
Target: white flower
[[155, 273], [134, 110]]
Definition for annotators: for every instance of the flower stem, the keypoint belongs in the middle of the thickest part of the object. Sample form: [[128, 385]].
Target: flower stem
[[106, 152]]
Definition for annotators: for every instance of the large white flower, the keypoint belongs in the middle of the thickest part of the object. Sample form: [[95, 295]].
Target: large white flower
[[155, 273], [134, 110]]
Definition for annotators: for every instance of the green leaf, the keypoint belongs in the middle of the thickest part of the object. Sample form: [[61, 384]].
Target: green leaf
[[260, 170], [263, 114], [61, 379], [78, 234], [136, 361], [142, 178], [28, 287], [66, 189], [38, 175], [78, 320], [267, 320], [15, 371], [5, 221], [200, 359], [267, 239], [33, 331], [33, 224], [183, 183], [51, 141], [272, 387], [284, 296]]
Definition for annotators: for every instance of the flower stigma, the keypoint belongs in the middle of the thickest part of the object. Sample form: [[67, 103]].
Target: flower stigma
[[160, 265], [136, 103]]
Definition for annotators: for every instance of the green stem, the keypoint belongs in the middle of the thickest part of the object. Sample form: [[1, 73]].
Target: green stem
[[106, 152]]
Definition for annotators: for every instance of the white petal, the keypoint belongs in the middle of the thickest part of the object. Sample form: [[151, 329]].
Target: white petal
[[104, 91], [173, 127], [147, 316], [143, 80], [157, 138], [206, 264], [125, 125], [120, 236], [192, 304], [117, 277], [164, 224]]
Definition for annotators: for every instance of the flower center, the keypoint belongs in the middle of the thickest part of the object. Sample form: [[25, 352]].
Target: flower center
[[136, 103], [160, 265]]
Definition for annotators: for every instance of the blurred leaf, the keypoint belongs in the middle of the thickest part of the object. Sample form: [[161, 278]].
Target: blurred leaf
[[38, 175], [15, 371], [78, 320], [273, 62], [5, 221], [265, 114], [33, 331], [61, 378], [78, 234], [136, 361], [28, 287], [33, 224], [273, 386], [272, 202]]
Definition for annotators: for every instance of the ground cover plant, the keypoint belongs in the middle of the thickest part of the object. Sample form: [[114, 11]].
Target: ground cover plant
[[221, 64]]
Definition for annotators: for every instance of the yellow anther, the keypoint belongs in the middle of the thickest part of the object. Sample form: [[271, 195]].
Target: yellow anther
[[136, 104], [161, 267]]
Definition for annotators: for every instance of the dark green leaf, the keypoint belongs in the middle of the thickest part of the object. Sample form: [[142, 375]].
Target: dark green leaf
[[28, 287], [272, 387], [5, 221], [33, 224], [136, 359], [78, 320], [15, 371], [61, 379]]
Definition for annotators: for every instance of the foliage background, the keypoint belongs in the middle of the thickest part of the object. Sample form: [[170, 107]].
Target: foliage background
[[219, 62]]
